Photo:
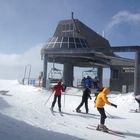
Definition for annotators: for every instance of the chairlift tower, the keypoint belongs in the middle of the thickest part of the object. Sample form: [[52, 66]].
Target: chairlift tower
[[27, 72]]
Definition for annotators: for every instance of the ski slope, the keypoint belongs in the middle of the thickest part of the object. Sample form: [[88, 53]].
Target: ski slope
[[25, 115]]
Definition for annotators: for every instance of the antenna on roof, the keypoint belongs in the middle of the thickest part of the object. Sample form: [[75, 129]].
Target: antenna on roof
[[75, 25], [72, 15]]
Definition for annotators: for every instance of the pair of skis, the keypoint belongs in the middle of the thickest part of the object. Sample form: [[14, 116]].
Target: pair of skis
[[53, 112], [4, 92], [81, 112], [109, 131]]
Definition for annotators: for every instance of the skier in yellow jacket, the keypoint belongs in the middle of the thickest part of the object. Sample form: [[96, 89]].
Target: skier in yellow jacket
[[100, 102]]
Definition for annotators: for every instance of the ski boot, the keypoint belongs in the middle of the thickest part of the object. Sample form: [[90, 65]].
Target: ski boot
[[59, 109], [78, 110], [102, 127], [86, 111]]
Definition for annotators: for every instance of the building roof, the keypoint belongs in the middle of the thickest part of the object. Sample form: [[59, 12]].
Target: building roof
[[74, 42]]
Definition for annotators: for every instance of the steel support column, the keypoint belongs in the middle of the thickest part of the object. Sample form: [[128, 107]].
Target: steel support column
[[68, 74], [100, 74], [137, 74], [45, 71]]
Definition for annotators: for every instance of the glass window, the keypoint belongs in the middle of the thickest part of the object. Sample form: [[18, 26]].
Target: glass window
[[57, 45], [77, 40], [71, 26], [53, 39], [78, 45], [65, 39], [67, 27], [50, 45], [63, 27], [85, 42], [115, 74], [71, 39], [64, 45], [49, 40], [59, 39], [84, 46], [82, 41], [71, 45]]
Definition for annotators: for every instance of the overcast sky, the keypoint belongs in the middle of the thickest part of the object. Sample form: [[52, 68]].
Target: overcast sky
[[27, 24]]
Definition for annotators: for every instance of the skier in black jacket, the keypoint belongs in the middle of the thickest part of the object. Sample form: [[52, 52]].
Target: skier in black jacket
[[86, 95]]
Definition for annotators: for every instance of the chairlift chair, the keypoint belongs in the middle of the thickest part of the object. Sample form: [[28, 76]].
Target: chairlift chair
[[55, 75], [92, 73]]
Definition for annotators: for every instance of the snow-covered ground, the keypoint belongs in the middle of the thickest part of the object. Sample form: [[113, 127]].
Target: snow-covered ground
[[25, 115]]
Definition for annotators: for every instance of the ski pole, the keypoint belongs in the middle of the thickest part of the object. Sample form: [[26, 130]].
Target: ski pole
[[64, 86], [48, 99], [109, 114], [64, 99]]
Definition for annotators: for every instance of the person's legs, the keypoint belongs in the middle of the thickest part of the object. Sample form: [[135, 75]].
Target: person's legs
[[102, 120], [103, 115], [86, 105], [138, 101], [54, 101], [80, 105], [59, 102]]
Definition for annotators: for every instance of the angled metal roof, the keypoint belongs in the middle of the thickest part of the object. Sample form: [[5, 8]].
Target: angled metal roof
[[74, 42]]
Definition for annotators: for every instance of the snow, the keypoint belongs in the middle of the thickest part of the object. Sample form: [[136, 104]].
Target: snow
[[25, 115]]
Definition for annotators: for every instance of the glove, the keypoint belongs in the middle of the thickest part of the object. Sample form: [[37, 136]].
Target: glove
[[114, 105]]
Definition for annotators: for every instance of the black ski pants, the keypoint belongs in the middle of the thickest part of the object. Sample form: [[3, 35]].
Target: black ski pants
[[59, 101], [103, 115], [81, 104]]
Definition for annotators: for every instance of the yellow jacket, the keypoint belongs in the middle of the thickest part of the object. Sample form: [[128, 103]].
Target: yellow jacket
[[102, 99]]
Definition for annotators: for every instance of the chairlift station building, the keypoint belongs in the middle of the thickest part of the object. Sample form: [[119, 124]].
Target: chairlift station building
[[75, 44]]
